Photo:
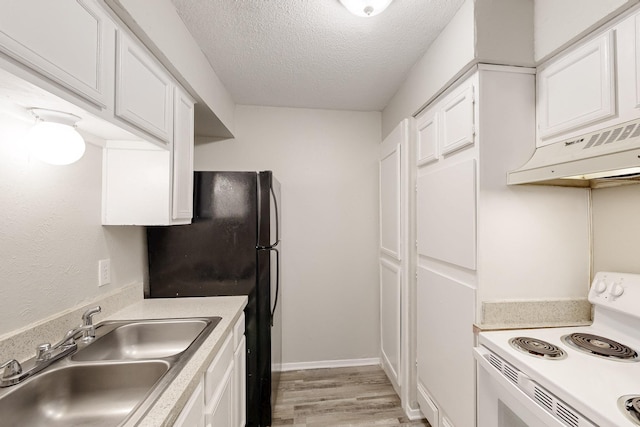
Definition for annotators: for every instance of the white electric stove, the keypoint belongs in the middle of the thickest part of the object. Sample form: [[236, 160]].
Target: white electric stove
[[578, 377]]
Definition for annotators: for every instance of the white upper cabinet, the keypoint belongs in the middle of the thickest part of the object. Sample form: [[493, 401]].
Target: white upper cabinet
[[149, 185], [183, 156], [577, 89], [427, 137], [457, 120], [593, 85], [69, 42], [78, 50], [144, 90], [447, 126]]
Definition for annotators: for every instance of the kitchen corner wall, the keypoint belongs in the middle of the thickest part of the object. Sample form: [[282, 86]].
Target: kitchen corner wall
[[557, 24], [489, 31], [616, 229], [327, 164], [51, 236]]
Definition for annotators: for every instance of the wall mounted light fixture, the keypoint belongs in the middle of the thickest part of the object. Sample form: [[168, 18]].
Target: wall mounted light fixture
[[54, 139], [366, 8]]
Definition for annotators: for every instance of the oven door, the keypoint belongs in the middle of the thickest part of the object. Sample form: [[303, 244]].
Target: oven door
[[502, 404]]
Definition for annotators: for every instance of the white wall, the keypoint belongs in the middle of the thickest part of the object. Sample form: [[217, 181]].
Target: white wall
[[560, 23], [50, 234], [489, 31], [447, 56], [616, 229], [504, 32], [326, 162]]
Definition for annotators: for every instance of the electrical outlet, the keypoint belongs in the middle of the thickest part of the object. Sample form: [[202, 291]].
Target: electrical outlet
[[104, 272]]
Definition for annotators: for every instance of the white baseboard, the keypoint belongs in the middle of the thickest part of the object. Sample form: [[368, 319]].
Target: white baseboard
[[413, 414], [297, 366]]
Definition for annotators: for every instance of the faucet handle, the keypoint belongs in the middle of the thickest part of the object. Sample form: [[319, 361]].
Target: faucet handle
[[87, 316], [11, 368], [43, 352], [89, 331]]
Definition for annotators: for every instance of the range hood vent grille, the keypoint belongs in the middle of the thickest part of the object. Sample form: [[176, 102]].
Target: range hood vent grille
[[608, 157]]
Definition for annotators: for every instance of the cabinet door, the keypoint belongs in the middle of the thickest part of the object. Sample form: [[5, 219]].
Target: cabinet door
[[182, 157], [457, 119], [390, 208], [219, 411], [144, 90], [136, 186], [578, 89], [240, 384], [394, 163], [390, 292], [446, 367], [193, 413], [70, 42], [446, 214], [427, 137]]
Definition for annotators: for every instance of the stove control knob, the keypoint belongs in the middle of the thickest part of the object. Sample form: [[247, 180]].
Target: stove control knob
[[616, 290], [600, 286]]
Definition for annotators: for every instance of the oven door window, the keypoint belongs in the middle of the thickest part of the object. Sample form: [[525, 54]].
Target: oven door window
[[508, 418]]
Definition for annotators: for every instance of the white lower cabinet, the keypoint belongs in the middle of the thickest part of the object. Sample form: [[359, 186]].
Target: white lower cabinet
[[239, 375], [220, 398], [193, 413], [219, 409]]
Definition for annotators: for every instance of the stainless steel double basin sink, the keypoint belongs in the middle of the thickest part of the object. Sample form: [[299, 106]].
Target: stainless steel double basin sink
[[111, 381]]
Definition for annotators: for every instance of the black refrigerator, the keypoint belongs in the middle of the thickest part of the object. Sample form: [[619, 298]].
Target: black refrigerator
[[232, 247]]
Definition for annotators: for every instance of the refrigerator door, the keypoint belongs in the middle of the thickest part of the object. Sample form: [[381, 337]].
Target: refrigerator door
[[269, 287], [215, 255], [276, 289]]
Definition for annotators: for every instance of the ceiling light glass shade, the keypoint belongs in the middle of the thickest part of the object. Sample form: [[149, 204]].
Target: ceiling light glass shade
[[366, 8], [54, 139]]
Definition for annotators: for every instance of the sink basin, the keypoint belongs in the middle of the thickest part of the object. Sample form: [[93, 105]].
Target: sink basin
[[149, 339], [111, 381], [81, 395]]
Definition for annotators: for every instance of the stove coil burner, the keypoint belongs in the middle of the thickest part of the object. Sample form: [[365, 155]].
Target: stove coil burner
[[601, 347], [538, 348], [630, 406]]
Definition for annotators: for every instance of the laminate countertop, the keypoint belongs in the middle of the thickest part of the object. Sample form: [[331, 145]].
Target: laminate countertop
[[168, 406]]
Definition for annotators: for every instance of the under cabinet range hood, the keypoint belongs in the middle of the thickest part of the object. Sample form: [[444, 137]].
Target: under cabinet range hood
[[608, 157]]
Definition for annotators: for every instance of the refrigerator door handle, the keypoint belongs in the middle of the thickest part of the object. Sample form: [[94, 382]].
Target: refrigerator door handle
[[275, 302], [274, 249], [275, 206]]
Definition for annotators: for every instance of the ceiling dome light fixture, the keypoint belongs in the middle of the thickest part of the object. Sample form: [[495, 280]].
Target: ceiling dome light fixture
[[54, 139], [366, 8]]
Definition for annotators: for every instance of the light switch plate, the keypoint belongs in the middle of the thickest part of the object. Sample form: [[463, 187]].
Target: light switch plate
[[104, 272]]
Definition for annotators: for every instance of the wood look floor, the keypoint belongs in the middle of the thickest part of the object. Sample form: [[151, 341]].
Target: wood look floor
[[358, 396]]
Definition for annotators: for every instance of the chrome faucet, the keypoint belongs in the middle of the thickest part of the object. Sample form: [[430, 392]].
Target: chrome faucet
[[46, 353], [88, 329]]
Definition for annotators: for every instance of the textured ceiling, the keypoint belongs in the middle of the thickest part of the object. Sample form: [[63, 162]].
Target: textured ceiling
[[313, 53]]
